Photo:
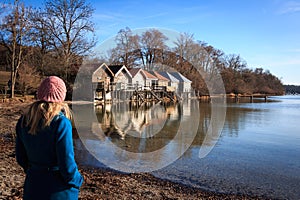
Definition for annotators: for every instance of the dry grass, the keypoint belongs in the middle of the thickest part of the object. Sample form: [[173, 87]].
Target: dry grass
[[4, 77]]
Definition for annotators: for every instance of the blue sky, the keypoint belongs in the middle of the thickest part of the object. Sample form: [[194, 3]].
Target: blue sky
[[265, 33]]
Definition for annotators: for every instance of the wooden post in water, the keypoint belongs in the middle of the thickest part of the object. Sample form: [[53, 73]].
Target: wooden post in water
[[5, 91], [237, 98]]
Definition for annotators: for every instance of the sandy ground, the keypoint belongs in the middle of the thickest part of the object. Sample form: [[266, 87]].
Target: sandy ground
[[99, 184]]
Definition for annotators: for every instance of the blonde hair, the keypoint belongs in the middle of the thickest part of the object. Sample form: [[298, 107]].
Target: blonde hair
[[40, 114]]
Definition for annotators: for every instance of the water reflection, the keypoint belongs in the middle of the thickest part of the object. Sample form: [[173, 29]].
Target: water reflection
[[148, 127], [235, 118], [144, 137], [127, 128], [139, 128], [256, 139]]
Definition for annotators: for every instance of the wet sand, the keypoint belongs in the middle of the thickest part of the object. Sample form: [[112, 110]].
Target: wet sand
[[99, 183]]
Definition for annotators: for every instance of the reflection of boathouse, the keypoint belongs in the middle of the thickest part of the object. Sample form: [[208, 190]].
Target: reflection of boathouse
[[139, 125], [117, 82]]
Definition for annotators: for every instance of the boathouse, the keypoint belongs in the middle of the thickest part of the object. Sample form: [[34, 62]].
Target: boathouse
[[117, 82], [141, 79], [109, 78], [173, 82], [184, 85], [162, 81]]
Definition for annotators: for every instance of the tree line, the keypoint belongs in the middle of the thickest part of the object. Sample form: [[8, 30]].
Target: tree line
[[58, 38], [292, 89], [190, 57], [49, 41]]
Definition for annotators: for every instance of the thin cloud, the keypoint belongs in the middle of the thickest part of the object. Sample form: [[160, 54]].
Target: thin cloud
[[287, 62], [293, 50], [156, 15], [106, 17], [283, 63], [289, 7]]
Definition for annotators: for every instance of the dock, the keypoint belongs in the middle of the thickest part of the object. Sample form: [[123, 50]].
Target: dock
[[237, 97], [139, 94]]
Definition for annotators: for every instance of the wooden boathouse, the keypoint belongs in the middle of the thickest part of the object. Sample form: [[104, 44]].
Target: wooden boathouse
[[117, 83]]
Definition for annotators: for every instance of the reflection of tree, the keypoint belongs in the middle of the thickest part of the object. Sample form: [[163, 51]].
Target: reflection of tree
[[236, 119], [234, 122], [204, 121]]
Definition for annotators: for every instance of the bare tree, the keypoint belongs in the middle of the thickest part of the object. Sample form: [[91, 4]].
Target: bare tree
[[185, 46], [40, 39], [153, 45], [13, 30], [71, 30], [193, 52], [235, 62], [127, 44], [29, 79], [132, 49], [236, 65]]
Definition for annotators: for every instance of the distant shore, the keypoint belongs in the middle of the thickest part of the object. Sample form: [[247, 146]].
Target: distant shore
[[99, 183]]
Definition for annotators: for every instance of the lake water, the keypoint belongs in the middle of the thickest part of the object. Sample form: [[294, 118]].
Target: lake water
[[256, 151]]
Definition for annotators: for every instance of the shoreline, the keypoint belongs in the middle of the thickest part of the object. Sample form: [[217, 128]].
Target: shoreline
[[99, 183]]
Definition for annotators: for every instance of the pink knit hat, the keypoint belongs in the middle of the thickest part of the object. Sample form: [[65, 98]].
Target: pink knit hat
[[52, 89]]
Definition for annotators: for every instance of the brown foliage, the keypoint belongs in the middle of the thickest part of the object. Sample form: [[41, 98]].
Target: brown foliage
[[28, 79]]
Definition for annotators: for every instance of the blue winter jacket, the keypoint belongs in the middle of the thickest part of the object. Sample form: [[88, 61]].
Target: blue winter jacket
[[48, 161]]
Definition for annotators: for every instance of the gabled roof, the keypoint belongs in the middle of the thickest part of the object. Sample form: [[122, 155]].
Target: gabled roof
[[160, 77], [169, 76], [148, 75], [180, 77], [134, 71], [117, 69], [105, 68], [112, 70]]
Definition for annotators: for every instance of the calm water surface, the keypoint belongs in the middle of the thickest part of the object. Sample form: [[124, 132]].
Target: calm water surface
[[257, 152]]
